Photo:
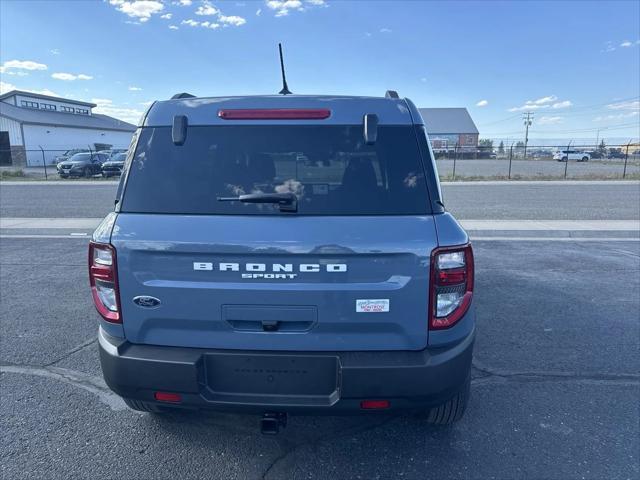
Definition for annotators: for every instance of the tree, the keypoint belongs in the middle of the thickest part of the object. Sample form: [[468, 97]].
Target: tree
[[486, 144], [520, 146], [501, 148], [602, 149]]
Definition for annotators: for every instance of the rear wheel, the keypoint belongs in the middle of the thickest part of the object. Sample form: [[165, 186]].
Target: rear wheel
[[565, 159], [452, 410], [585, 159], [141, 406]]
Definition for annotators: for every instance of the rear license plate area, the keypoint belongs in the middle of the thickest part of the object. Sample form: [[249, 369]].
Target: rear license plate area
[[272, 379]]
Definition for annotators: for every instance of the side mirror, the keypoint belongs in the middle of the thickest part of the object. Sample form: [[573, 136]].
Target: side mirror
[[179, 129], [370, 126]]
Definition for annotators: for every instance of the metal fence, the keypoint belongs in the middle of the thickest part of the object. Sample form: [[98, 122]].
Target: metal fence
[[511, 161], [495, 160], [41, 163]]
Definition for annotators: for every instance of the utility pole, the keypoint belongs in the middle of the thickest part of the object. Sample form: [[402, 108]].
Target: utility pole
[[528, 120]]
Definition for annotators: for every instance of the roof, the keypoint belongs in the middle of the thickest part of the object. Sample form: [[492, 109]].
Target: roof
[[345, 110], [61, 119], [448, 121], [45, 97]]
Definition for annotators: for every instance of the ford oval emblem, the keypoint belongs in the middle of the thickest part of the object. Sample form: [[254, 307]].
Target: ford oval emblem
[[146, 301]]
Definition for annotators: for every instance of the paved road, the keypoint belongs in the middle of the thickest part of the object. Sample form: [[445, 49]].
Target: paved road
[[555, 384], [521, 201], [555, 381]]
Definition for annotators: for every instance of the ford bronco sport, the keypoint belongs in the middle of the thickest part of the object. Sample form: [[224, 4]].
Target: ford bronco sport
[[284, 254]]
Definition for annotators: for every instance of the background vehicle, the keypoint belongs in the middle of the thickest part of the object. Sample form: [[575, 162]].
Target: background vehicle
[[284, 254], [69, 153], [615, 153], [114, 165], [82, 165], [566, 155]]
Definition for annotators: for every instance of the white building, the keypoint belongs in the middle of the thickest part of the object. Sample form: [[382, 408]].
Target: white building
[[36, 128]]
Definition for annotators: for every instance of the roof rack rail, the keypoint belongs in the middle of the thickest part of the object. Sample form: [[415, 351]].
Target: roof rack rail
[[182, 95], [391, 94]]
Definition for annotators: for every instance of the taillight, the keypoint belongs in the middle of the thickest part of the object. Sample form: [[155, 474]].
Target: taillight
[[451, 286], [103, 277], [275, 114]]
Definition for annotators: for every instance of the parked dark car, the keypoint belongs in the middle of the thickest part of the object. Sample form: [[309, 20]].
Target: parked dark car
[[113, 167], [82, 165], [615, 153], [69, 153]]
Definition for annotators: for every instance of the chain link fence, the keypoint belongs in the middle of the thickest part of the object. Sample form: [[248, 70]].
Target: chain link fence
[[486, 162], [517, 161]]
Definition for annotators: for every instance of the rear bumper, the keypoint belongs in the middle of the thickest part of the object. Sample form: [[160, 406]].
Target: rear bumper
[[295, 382]]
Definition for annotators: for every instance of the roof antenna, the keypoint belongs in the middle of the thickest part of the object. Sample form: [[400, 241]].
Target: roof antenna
[[285, 89]]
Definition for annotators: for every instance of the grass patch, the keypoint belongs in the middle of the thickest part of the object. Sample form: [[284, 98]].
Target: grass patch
[[11, 174]]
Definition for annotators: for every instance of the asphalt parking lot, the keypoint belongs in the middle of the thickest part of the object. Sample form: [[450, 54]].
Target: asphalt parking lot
[[556, 383]]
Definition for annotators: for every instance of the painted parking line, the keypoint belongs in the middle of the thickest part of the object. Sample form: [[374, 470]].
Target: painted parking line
[[480, 238], [80, 224]]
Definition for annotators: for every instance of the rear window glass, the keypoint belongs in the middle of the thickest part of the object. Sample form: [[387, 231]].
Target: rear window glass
[[329, 169]]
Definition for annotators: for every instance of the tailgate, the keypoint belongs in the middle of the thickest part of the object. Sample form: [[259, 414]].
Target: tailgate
[[322, 283]]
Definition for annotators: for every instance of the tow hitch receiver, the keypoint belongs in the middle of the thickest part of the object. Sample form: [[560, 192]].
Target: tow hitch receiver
[[271, 422]]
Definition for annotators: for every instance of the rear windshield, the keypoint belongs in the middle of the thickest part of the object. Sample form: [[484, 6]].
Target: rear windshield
[[329, 169]]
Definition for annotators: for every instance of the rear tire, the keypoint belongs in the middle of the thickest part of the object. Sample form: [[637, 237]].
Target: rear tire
[[141, 406], [452, 410], [585, 159]]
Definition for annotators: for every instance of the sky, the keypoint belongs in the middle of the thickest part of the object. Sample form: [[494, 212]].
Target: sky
[[575, 65]]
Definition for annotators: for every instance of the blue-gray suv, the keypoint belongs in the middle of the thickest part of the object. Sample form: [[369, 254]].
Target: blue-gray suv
[[282, 255]]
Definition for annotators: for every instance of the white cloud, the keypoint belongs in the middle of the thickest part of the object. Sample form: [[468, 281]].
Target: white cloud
[[548, 120], [139, 9], [258, 12], [626, 44], [167, 16], [543, 100], [542, 103], [190, 22], [232, 20], [608, 47], [482, 103], [618, 116], [17, 73], [130, 115], [101, 101], [385, 30], [633, 105], [173, 27], [146, 104], [423, 79], [54, 51], [283, 7], [134, 89], [183, 3], [207, 9], [6, 87], [70, 77], [22, 65]]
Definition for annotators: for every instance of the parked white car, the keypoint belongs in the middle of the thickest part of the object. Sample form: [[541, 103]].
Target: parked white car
[[566, 155]]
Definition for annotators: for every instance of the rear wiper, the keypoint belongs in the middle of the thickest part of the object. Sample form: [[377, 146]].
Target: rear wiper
[[287, 202]]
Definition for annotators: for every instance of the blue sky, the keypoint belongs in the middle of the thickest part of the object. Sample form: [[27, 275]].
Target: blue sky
[[575, 64]]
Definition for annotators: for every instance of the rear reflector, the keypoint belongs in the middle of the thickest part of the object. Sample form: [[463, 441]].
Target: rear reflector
[[374, 404], [168, 397], [275, 114]]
